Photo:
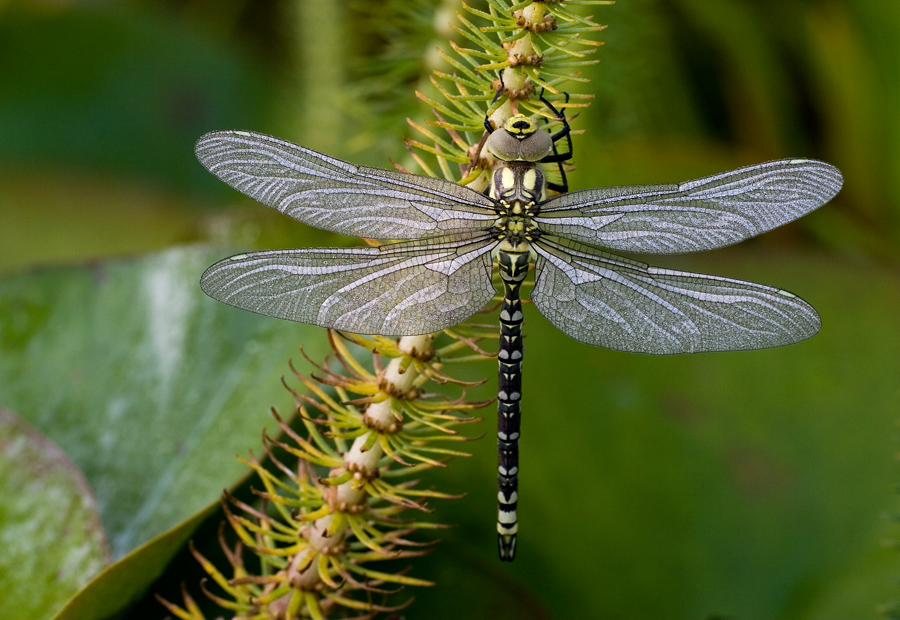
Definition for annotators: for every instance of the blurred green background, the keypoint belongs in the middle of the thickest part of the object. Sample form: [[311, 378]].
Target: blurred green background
[[744, 485]]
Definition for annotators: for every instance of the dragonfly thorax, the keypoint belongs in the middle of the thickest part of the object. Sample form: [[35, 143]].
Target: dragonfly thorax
[[518, 184], [517, 187]]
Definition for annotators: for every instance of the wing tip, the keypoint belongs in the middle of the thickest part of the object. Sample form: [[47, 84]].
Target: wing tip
[[206, 280], [834, 180], [214, 137]]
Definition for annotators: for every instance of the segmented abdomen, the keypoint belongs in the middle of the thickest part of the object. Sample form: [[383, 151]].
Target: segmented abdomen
[[513, 268]]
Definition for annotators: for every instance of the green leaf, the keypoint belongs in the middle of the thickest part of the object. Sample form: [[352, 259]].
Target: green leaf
[[151, 387], [127, 580], [50, 531]]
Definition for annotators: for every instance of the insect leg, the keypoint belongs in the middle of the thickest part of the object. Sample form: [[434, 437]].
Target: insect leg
[[557, 157]]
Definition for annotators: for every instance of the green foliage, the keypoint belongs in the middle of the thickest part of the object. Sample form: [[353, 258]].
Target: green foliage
[[125, 581], [51, 534], [345, 505], [123, 366]]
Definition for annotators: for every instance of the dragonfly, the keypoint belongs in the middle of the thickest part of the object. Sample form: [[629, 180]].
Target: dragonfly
[[444, 238]]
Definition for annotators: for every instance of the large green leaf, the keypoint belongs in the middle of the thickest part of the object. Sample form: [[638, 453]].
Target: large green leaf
[[50, 531], [149, 386]]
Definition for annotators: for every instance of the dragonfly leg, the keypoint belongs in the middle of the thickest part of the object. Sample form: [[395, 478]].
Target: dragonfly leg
[[487, 117], [557, 157]]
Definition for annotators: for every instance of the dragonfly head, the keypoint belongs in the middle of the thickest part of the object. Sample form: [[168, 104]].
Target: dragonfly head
[[520, 140]]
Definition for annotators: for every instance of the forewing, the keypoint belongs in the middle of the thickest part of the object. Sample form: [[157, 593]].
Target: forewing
[[339, 196], [397, 289], [620, 304], [708, 213]]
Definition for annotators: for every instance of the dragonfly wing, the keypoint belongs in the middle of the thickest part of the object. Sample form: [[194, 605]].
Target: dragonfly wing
[[621, 304], [708, 213], [396, 289], [339, 196]]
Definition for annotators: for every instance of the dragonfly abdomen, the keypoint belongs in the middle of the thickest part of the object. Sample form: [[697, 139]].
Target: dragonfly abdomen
[[513, 265]]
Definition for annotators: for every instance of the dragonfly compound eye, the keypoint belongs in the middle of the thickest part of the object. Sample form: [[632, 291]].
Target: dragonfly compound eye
[[520, 140], [535, 147], [503, 145]]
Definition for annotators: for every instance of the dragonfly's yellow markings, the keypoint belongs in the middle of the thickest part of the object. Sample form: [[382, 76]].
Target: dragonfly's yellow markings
[[507, 177], [529, 179], [520, 126]]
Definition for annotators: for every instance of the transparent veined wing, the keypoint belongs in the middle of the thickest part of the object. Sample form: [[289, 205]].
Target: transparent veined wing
[[335, 195], [397, 289], [708, 213], [617, 303]]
